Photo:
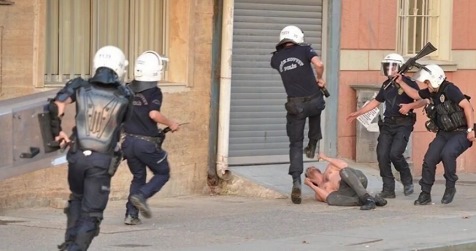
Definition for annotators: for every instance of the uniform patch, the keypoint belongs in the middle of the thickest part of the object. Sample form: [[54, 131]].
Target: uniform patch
[[442, 98]]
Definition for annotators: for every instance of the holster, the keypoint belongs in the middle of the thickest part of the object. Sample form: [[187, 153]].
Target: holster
[[115, 162], [294, 107]]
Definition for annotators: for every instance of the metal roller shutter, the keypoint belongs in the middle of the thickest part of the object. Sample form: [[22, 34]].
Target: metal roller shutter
[[257, 118]]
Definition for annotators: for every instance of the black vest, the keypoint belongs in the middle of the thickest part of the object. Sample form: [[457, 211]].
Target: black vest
[[100, 111], [447, 115]]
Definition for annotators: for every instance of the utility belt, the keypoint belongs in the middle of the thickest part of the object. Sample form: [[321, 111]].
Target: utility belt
[[303, 99], [116, 154], [154, 140], [411, 117], [150, 139]]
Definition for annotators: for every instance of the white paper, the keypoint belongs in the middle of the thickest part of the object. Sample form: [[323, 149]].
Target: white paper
[[367, 118]]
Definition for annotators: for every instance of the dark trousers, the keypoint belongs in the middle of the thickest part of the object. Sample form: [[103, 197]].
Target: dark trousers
[[446, 147], [141, 154], [89, 183], [392, 142], [352, 188], [298, 110]]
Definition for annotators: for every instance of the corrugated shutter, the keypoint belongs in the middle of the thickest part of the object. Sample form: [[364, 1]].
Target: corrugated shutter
[[258, 123]]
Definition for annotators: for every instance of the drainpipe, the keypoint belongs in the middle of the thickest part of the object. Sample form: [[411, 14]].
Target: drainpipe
[[225, 91]]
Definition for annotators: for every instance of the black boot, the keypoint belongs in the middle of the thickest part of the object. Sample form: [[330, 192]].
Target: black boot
[[310, 149], [368, 202], [408, 189], [140, 202], [449, 195], [296, 191], [423, 199], [387, 194], [379, 201]]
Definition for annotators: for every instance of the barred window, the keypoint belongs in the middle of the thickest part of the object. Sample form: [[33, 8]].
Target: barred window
[[422, 21], [75, 30]]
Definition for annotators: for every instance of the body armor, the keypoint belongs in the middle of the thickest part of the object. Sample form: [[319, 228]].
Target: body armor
[[100, 111], [446, 116]]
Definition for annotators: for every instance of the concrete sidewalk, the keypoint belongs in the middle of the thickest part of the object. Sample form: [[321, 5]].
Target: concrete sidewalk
[[250, 223]]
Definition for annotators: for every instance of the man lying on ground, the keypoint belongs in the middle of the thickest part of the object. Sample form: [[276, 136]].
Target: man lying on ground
[[341, 185]]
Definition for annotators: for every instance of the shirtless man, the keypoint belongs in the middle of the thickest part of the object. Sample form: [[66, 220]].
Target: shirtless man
[[341, 185]]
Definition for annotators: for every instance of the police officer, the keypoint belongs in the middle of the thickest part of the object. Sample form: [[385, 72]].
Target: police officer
[[294, 61], [451, 117], [142, 146], [395, 128], [102, 105]]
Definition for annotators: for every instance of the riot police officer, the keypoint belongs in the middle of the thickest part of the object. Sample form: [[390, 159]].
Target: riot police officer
[[451, 117], [142, 146], [395, 128], [294, 61], [102, 105]]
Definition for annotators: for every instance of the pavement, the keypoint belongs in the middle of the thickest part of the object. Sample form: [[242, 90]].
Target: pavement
[[265, 220]]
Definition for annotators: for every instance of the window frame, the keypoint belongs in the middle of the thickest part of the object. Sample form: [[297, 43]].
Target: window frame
[[444, 14], [92, 38]]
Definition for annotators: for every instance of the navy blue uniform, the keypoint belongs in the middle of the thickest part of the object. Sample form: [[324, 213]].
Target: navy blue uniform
[[305, 100], [142, 149], [447, 145], [395, 131], [91, 155]]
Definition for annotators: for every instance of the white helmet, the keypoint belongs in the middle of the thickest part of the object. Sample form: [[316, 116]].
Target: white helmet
[[113, 58], [390, 63], [432, 73], [291, 33], [149, 66]]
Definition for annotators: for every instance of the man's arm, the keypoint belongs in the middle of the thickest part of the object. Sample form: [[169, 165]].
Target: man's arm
[[468, 113], [62, 106], [410, 91], [405, 108], [318, 66], [366, 108], [320, 194], [161, 119], [340, 164]]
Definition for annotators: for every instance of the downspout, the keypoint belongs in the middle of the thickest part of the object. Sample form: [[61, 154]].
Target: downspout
[[225, 91]]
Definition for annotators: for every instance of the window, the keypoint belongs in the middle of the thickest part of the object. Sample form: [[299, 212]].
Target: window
[[422, 21], [75, 30]]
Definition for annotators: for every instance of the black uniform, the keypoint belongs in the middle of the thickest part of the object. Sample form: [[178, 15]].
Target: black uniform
[[451, 137], [100, 111], [142, 148], [305, 100], [395, 129]]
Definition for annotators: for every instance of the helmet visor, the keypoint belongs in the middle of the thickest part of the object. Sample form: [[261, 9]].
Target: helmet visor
[[422, 75], [390, 68]]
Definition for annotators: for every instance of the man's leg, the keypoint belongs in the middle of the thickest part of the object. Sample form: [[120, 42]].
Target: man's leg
[[431, 159], [456, 145], [314, 135], [352, 179], [76, 167], [156, 161], [336, 199], [73, 213], [399, 144], [139, 178], [385, 139], [295, 130], [97, 184]]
